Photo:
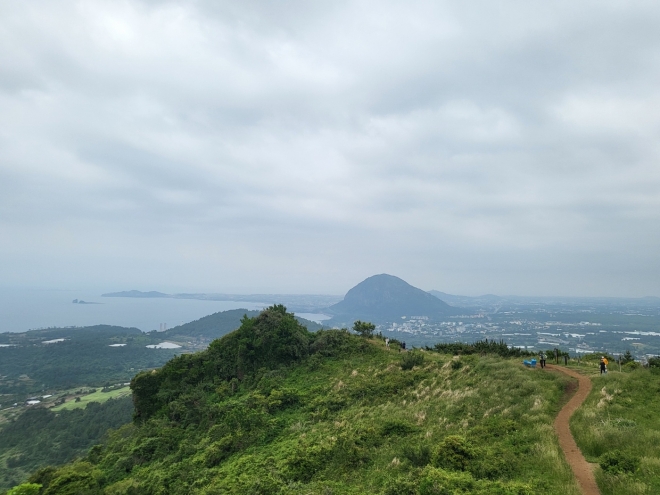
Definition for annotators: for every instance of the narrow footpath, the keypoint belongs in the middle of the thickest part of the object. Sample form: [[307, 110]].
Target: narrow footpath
[[581, 468]]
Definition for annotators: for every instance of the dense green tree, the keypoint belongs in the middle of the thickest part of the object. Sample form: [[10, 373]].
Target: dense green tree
[[364, 328], [271, 340]]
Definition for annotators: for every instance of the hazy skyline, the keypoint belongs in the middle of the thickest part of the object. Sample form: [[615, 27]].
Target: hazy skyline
[[261, 147]]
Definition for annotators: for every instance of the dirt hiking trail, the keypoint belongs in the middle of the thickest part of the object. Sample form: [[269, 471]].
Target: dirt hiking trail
[[581, 468]]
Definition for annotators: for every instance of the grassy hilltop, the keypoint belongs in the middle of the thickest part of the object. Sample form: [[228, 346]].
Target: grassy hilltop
[[273, 408]]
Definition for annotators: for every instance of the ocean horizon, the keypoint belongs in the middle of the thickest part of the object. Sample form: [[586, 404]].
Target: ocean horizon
[[29, 309]]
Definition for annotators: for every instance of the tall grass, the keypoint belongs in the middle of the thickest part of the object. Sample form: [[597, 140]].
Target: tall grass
[[621, 418], [394, 423]]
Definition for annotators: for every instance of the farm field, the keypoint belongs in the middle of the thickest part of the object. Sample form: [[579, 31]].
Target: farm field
[[98, 396]]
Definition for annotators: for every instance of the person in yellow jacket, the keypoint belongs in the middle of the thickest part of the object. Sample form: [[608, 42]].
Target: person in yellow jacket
[[603, 365]]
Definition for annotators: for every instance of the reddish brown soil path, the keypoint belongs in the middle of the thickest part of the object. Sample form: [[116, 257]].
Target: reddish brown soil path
[[581, 468]]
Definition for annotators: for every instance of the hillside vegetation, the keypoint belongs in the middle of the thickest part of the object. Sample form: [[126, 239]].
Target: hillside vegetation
[[40, 437], [82, 357], [272, 408], [618, 427]]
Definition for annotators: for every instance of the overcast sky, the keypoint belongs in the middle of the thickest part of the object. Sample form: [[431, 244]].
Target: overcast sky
[[300, 147]]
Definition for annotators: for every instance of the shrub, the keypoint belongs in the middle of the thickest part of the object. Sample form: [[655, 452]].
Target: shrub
[[25, 489], [440, 482], [617, 462], [654, 362], [494, 464], [455, 452], [306, 460], [632, 365], [456, 364], [495, 427], [400, 486], [412, 359], [219, 451], [418, 456], [333, 343], [485, 346], [314, 362], [76, 478], [396, 428], [43, 476]]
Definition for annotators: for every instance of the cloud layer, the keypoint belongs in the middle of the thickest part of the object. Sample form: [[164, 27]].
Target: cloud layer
[[301, 147]]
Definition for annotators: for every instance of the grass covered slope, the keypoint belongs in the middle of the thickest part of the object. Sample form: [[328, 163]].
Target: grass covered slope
[[274, 409], [618, 427]]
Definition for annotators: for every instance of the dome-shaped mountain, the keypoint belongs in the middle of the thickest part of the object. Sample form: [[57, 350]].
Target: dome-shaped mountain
[[384, 297]]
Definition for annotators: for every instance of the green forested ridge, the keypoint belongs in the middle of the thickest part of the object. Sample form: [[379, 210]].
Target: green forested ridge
[[218, 324], [212, 326], [40, 437], [83, 358], [273, 408]]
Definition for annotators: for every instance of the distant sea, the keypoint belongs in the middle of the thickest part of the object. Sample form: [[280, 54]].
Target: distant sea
[[29, 309]]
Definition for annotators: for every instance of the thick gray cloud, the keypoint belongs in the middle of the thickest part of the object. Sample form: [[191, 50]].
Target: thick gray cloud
[[300, 147]]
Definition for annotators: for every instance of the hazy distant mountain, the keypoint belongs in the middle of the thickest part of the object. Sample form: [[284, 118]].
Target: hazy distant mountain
[[385, 297], [466, 300], [490, 301], [135, 293]]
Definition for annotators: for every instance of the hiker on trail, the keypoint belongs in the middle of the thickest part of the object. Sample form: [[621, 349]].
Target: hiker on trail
[[403, 346], [387, 342], [606, 363], [603, 366], [542, 358]]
